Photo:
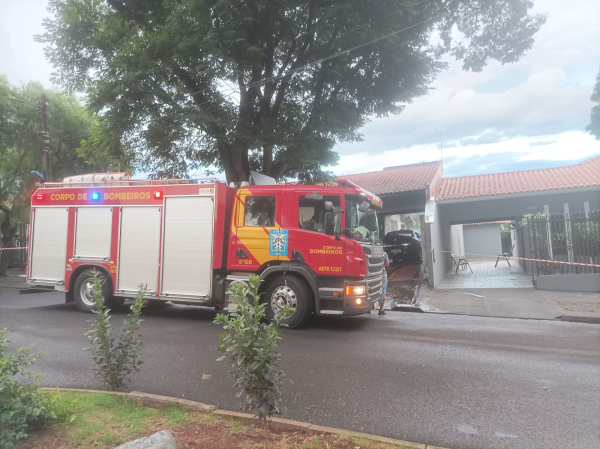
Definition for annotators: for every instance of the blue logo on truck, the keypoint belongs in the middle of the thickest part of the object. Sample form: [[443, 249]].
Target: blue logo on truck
[[278, 242]]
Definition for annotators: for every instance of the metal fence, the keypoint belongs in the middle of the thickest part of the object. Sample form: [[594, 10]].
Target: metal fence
[[18, 257], [573, 238]]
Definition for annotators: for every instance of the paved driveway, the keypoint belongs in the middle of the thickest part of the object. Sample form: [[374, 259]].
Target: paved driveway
[[452, 381], [486, 274]]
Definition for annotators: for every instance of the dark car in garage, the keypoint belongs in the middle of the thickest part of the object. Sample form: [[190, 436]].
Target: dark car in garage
[[403, 246]]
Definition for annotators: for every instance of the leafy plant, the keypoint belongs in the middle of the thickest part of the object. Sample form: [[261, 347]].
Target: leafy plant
[[22, 407], [265, 85], [115, 361], [250, 345]]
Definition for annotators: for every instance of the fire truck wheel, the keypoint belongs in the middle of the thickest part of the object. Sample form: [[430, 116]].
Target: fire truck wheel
[[82, 291], [291, 291]]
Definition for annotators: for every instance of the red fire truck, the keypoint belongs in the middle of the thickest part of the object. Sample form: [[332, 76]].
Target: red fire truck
[[317, 248]]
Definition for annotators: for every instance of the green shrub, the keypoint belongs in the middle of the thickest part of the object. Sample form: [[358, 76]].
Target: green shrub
[[114, 360], [23, 407], [250, 345]]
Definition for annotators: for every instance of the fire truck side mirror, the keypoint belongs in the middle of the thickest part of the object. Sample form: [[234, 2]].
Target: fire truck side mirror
[[329, 206]]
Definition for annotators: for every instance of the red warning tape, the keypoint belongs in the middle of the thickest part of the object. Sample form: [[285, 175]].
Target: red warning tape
[[20, 247], [534, 260]]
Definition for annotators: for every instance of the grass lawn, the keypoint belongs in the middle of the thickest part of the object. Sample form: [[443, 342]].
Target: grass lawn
[[105, 421]]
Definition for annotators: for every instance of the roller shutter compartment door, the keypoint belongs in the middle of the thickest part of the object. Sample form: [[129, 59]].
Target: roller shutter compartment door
[[139, 248], [187, 247], [93, 232], [49, 247]]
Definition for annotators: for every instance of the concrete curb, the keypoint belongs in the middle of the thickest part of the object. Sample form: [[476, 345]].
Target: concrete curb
[[407, 308], [154, 400], [579, 319], [565, 318]]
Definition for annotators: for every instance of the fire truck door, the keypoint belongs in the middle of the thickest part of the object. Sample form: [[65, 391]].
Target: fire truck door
[[49, 246], [259, 238], [139, 248], [187, 246], [315, 239]]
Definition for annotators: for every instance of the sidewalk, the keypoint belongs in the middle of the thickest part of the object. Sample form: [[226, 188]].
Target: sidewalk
[[15, 278], [512, 303]]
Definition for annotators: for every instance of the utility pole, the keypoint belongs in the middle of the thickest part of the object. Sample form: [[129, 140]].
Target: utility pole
[[45, 137], [441, 148]]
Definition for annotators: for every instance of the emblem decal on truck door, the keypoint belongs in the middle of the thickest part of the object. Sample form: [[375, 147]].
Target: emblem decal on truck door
[[278, 242]]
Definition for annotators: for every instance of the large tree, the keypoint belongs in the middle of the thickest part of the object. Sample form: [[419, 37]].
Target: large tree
[[594, 127], [21, 150], [266, 84]]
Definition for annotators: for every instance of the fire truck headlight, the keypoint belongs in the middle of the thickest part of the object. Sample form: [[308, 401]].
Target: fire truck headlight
[[355, 290], [95, 196]]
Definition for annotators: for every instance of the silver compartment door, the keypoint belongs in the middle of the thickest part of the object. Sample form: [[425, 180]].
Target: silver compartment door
[[139, 248], [49, 247], [93, 233], [187, 247]]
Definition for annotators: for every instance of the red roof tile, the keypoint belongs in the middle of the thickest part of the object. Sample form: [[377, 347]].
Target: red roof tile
[[403, 178], [583, 174]]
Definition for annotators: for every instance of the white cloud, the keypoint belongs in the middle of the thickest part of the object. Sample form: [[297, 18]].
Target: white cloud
[[507, 108], [567, 146]]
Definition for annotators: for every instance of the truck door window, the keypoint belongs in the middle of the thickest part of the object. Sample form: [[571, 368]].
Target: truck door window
[[260, 211], [311, 214]]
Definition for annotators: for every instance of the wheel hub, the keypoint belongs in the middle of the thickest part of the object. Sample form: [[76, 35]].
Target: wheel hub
[[283, 296], [87, 293]]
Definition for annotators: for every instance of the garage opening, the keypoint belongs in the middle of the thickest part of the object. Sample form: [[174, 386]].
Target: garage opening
[[483, 256]]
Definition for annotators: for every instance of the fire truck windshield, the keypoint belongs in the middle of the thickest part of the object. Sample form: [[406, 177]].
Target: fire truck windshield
[[362, 226]]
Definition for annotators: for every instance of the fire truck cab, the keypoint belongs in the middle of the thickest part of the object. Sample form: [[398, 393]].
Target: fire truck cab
[[317, 248]]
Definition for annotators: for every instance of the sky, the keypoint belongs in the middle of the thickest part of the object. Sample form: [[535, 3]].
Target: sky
[[530, 114]]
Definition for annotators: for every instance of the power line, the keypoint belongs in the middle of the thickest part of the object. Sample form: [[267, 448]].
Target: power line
[[72, 135]]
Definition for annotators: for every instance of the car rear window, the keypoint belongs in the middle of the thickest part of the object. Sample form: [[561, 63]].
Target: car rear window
[[396, 239]]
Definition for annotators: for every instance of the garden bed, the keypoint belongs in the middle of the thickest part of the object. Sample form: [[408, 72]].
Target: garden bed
[[106, 420]]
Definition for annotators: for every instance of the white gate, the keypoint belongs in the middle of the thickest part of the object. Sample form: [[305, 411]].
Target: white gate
[[49, 246], [187, 247], [139, 246]]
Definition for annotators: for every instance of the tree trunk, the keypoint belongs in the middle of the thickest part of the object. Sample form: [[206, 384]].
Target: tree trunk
[[267, 162], [235, 161], [266, 430], [9, 233]]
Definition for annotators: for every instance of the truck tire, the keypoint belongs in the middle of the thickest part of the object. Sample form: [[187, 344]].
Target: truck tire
[[291, 291], [82, 291]]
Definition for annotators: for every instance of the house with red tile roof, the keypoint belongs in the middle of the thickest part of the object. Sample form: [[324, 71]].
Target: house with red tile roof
[[407, 190]]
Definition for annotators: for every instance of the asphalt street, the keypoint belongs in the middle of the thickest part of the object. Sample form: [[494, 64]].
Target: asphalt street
[[444, 380]]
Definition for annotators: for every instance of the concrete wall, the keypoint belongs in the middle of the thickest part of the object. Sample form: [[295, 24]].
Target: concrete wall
[[403, 203], [570, 282], [482, 239], [457, 240], [438, 239], [513, 208]]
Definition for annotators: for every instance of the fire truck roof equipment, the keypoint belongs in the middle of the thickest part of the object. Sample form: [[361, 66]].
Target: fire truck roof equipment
[[374, 199]]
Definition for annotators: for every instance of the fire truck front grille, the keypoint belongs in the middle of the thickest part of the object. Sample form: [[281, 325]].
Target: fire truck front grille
[[375, 268], [374, 255], [374, 285]]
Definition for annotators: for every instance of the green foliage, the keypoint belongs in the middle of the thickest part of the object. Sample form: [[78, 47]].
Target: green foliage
[[20, 149], [594, 127], [250, 345], [505, 237], [266, 85], [114, 360], [23, 407]]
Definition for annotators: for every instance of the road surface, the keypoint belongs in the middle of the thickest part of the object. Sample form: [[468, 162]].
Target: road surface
[[451, 381]]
